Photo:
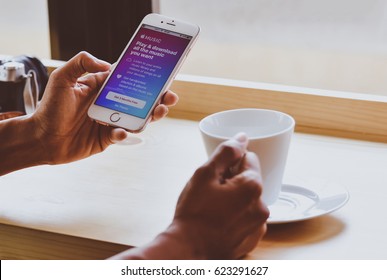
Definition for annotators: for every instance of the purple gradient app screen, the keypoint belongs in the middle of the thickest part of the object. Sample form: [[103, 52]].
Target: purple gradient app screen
[[143, 71]]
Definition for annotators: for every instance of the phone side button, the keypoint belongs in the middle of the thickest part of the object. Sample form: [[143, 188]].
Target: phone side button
[[115, 117]]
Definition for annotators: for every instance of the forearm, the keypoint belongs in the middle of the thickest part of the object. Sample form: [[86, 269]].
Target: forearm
[[172, 244], [20, 146]]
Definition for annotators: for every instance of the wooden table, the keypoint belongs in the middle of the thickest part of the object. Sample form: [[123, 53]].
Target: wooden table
[[125, 196]]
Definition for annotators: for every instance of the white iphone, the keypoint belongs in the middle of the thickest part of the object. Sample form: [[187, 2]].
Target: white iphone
[[143, 72]]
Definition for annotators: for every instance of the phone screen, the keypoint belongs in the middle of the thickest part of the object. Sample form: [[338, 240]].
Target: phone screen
[[143, 70]]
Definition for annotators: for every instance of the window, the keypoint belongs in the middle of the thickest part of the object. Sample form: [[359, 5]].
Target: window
[[327, 44], [24, 28]]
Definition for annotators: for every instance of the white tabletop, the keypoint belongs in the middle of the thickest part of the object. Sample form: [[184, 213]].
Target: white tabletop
[[127, 194]]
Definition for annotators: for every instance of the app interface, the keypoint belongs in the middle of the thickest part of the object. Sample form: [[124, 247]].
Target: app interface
[[143, 71]]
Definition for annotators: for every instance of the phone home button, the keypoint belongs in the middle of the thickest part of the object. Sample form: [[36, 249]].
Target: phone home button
[[115, 117]]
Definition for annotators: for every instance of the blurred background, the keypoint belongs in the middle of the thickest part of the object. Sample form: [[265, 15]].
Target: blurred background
[[328, 44]]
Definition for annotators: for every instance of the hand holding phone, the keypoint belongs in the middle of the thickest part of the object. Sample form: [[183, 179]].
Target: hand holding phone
[[143, 72]]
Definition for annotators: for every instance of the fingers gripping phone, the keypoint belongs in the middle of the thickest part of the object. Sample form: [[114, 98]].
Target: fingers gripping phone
[[143, 72]]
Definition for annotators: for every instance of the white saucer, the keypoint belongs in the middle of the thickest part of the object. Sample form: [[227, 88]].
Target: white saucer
[[297, 203]]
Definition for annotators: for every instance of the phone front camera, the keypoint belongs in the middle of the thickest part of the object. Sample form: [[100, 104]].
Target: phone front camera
[[162, 21]]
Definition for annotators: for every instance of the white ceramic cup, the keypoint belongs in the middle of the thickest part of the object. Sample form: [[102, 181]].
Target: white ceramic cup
[[269, 134]]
